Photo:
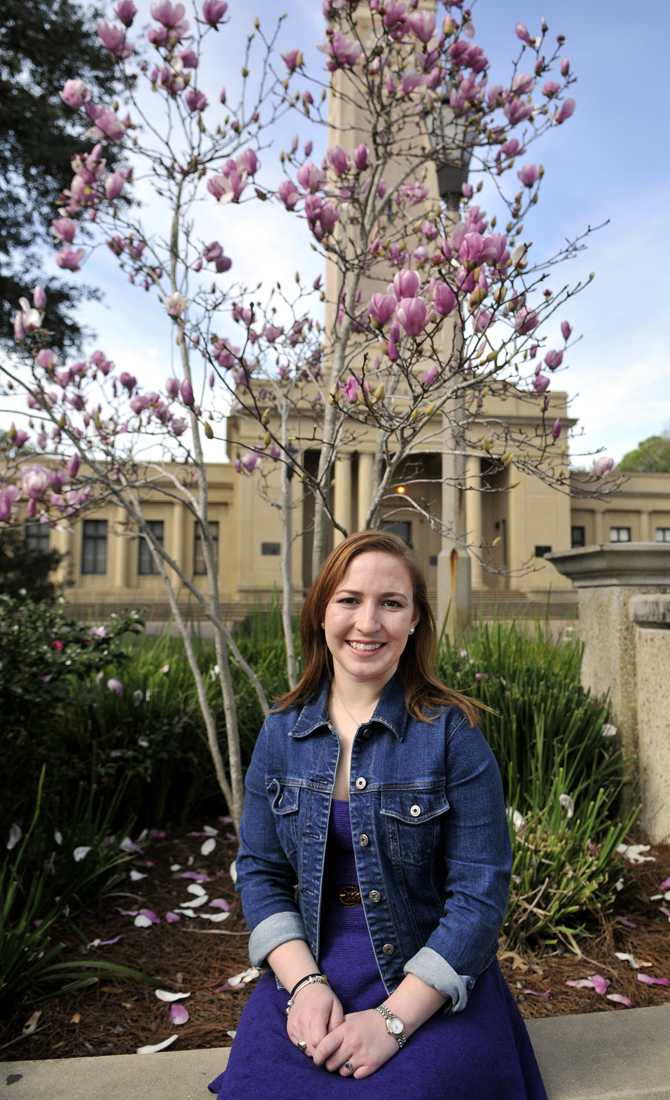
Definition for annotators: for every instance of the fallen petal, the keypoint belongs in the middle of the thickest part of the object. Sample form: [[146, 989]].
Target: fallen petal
[[193, 903], [168, 997], [31, 1023], [635, 963], [665, 885], [233, 871], [80, 853], [15, 834], [195, 888], [633, 853], [232, 1034], [208, 847], [666, 912], [178, 1014], [128, 845], [580, 983], [648, 979], [216, 917], [172, 918], [135, 876], [142, 922], [154, 1048], [197, 876], [544, 993], [600, 984], [244, 976], [220, 903], [210, 830], [186, 912], [175, 866], [620, 999]]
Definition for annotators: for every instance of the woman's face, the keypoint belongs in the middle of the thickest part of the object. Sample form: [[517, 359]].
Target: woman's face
[[368, 618]]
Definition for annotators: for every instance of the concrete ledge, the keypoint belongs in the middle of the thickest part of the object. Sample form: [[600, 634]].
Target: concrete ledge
[[620, 1055]]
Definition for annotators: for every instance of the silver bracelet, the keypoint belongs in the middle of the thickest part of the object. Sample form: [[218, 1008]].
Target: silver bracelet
[[311, 980]]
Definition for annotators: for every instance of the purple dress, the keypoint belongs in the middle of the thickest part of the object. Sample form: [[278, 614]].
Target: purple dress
[[482, 1053]]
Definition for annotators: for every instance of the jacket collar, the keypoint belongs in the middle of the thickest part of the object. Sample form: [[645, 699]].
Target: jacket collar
[[390, 712]]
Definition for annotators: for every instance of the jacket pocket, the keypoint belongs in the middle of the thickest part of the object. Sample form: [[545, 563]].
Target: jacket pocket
[[285, 805], [412, 822]]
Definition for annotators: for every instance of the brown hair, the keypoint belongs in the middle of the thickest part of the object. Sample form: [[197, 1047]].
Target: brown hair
[[417, 663]]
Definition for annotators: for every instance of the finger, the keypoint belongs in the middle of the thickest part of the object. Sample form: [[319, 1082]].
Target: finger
[[326, 1047], [336, 1015]]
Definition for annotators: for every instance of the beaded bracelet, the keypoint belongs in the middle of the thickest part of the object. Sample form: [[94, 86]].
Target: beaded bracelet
[[308, 980]]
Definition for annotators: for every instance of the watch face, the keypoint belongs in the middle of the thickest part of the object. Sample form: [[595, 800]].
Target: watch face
[[396, 1025]]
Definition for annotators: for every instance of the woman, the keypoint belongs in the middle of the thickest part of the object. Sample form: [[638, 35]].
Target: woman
[[374, 864]]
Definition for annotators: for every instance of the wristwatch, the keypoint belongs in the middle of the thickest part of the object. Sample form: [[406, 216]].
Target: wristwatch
[[394, 1025]]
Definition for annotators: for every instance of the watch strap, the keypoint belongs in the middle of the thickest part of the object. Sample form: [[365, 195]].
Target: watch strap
[[401, 1037]]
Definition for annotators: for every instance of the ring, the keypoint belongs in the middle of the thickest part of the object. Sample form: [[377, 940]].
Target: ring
[[349, 1066], [302, 1044]]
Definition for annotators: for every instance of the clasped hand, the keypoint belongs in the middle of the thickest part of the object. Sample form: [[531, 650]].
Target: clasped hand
[[334, 1037]]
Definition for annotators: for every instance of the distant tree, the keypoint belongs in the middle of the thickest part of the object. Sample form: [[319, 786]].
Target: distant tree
[[651, 456], [25, 570], [38, 42]]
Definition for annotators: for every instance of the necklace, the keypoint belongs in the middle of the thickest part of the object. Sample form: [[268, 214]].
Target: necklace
[[337, 698]]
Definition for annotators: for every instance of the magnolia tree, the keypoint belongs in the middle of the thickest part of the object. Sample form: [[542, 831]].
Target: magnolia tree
[[430, 304]]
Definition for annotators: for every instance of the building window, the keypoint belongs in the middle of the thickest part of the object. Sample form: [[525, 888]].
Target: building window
[[542, 551], [199, 568], [146, 566], [578, 536], [94, 547], [619, 534], [402, 529], [432, 559], [37, 537], [271, 549], [663, 534]]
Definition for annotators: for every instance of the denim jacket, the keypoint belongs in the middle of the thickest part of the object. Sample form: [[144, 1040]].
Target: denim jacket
[[430, 834]]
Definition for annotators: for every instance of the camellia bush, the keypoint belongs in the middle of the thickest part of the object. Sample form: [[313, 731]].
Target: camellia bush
[[435, 300]]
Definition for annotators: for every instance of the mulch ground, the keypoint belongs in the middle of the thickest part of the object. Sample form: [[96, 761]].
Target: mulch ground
[[198, 956]]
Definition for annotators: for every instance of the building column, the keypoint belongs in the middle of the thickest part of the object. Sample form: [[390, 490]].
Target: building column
[[178, 547], [645, 526], [63, 542], [342, 503], [122, 546], [473, 516], [366, 462], [599, 527]]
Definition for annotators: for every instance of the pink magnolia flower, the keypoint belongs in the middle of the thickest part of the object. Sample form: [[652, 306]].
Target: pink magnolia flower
[[46, 358], [471, 248], [127, 380], [406, 284], [523, 33], [175, 304], [109, 125], [75, 93], [430, 376], [603, 466], [556, 428], [553, 359], [352, 389], [8, 496], [213, 11], [566, 330], [342, 52], [248, 162], [551, 89], [115, 686], [178, 426], [172, 387], [126, 12], [196, 100], [272, 333], [70, 258], [381, 308], [186, 392], [361, 157], [565, 66], [65, 229], [541, 382], [293, 59], [512, 148], [227, 188], [34, 481], [522, 84], [167, 13], [310, 177], [114, 185], [113, 39], [529, 175], [483, 320], [250, 462], [444, 299], [72, 468], [288, 193], [422, 24], [412, 314], [517, 110], [188, 58], [526, 321], [565, 111], [39, 297], [338, 160]]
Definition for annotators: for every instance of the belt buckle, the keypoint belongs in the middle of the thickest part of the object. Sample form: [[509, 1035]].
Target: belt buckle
[[349, 896]]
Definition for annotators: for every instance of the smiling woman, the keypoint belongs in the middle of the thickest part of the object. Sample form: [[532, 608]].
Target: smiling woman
[[374, 863]]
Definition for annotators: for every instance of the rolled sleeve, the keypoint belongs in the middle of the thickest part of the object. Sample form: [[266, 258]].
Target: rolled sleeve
[[440, 975], [265, 879]]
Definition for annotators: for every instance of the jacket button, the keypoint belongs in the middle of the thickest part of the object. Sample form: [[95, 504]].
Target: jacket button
[[388, 948], [364, 840], [375, 896], [361, 783], [415, 810]]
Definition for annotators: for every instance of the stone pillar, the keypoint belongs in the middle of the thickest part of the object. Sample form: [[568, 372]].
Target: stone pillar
[[454, 593], [607, 579], [650, 616], [178, 547], [62, 537], [366, 462], [599, 527], [122, 546], [645, 526], [342, 502], [474, 529]]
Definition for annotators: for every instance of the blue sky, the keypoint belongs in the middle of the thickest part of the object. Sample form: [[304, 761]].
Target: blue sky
[[610, 161]]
